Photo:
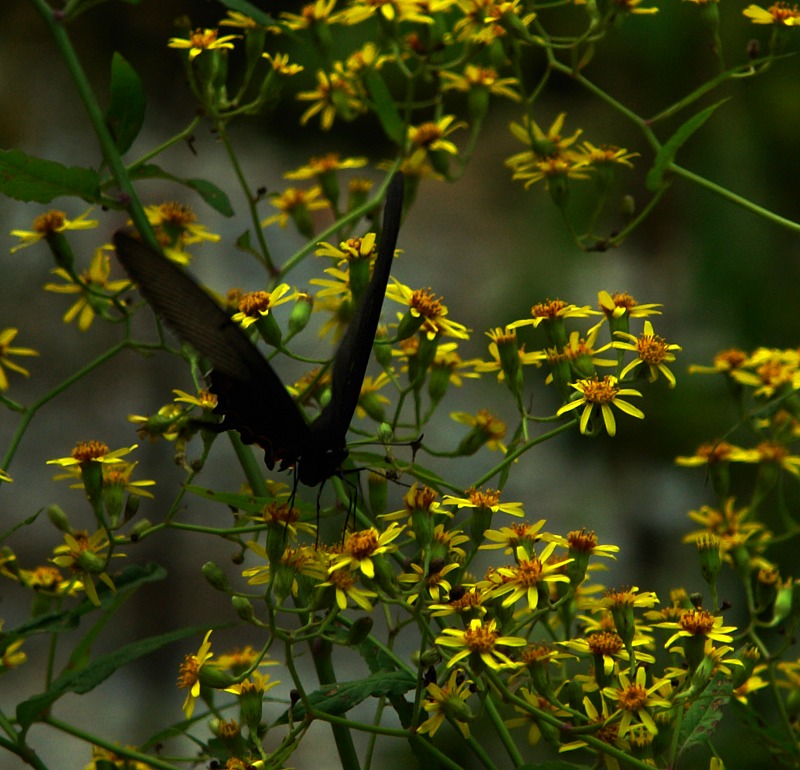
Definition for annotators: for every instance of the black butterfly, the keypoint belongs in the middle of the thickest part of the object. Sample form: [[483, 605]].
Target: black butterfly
[[250, 396]]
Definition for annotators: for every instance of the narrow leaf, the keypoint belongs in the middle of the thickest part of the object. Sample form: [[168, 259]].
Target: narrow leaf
[[665, 156], [209, 192], [28, 178], [339, 698], [97, 672], [385, 107], [125, 114]]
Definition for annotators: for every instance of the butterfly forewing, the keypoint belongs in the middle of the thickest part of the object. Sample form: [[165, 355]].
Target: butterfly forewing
[[250, 395]]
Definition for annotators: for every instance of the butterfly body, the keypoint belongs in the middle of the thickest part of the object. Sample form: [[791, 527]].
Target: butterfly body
[[250, 395]]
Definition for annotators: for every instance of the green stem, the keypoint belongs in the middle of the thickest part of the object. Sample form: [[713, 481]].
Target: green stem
[[30, 412], [512, 456], [734, 198], [127, 196], [146, 759], [323, 664], [502, 731]]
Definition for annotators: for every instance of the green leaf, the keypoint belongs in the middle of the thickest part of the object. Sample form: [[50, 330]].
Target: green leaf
[[32, 179], [665, 156], [701, 718], [209, 192], [385, 107], [96, 673], [125, 114], [127, 581], [339, 698]]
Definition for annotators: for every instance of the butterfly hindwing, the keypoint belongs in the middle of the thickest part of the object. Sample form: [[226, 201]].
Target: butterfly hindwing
[[250, 395]]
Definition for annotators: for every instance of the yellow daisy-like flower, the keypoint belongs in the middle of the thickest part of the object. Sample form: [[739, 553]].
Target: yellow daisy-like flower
[[476, 77], [432, 586], [334, 96], [205, 399], [11, 655], [317, 12], [486, 499], [92, 285], [6, 338], [258, 304], [482, 639], [361, 547], [549, 144], [607, 155], [526, 577], [344, 582], [511, 537], [551, 311], [447, 701], [51, 222], [296, 204], [621, 303], [653, 352], [256, 683], [431, 136], [281, 65], [778, 13], [177, 226], [189, 675], [86, 556], [321, 165], [202, 40], [92, 451], [428, 312], [487, 430], [601, 394], [702, 623], [635, 699], [608, 647]]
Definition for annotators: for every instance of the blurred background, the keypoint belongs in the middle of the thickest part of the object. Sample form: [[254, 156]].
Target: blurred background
[[492, 249]]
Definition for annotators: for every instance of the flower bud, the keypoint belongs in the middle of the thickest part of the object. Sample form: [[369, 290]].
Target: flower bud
[[59, 519], [301, 313], [216, 577]]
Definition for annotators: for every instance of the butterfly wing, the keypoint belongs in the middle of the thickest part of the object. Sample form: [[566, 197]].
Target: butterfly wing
[[350, 364], [250, 395]]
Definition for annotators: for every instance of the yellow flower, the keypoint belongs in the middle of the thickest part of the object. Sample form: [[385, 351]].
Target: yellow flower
[[602, 395], [482, 640], [49, 223], [634, 698], [619, 304], [324, 164], [92, 285], [334, 95], [526, 577], [6, 338], [486, 499], [344, 583], [360, 548], [258, 304], [429, 312], [653, 352], [447, 701], [92, 451], [189, 675], [430, 136], [778, 13], [294, 203], [87, 557], [202, 40]]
